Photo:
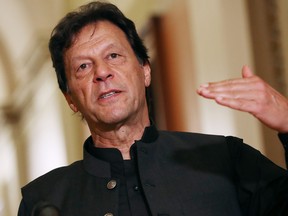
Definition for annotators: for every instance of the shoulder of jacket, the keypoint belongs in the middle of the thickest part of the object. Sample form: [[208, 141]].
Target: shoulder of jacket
[[177, 137], [189, 135], [55, 175]]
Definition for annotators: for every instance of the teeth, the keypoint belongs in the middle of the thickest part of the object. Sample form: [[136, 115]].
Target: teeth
[[108, 95]]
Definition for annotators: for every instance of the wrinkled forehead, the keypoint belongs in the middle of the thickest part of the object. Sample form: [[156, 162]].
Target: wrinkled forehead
[[98, 38], [94, 29], [100, 33], [84, 33]]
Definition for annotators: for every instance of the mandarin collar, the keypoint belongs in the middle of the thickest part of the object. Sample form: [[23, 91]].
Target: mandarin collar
[[97, 161], [150, 134]]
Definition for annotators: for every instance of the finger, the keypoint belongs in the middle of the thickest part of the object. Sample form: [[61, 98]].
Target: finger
[[241, 97], [243, 85], [248, 91], [232, 84], [246, 72], [238, 104]]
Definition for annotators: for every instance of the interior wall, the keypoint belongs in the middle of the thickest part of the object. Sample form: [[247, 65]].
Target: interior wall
[[29, 141], [176, 71], [269, 55], [283, 18], [222, 45]]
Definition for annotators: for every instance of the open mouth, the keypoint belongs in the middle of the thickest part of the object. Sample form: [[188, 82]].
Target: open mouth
[[109, 94]]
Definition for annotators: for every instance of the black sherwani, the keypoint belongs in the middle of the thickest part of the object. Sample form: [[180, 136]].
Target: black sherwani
[[180, 173]]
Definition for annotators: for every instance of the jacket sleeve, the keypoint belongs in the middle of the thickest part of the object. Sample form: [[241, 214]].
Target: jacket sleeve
[[262, 186], [22, 211], [284, 140]]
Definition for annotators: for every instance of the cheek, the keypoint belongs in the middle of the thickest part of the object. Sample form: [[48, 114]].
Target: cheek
[[78, 94], [79, 86], [139, 76], [139, 86]]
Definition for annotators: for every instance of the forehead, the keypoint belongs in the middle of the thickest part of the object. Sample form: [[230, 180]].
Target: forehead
[[100, 31]]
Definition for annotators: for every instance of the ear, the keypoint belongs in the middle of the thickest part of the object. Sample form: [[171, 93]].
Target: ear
[[70, 102], [147, 74]]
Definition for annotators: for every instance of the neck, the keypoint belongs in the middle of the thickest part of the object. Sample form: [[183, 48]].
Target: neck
[[121, 137]]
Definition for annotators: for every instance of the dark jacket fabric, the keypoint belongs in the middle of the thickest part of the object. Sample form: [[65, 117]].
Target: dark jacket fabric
[[284, 140], [181, 174]]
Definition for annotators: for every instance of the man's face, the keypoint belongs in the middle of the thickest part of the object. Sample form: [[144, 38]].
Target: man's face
[[106, 81]]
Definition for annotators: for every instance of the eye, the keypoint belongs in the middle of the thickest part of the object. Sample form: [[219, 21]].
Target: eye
[[113, 55], [82, 67], [116, 58]]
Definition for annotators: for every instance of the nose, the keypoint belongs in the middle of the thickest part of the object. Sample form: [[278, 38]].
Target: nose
[[102, 72]]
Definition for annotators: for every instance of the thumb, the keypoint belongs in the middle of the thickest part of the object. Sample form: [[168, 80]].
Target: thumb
[[246, 72]]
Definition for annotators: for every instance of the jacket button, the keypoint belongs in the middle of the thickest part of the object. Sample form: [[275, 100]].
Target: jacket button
[[136, 188], [111, 185], [108, 214]]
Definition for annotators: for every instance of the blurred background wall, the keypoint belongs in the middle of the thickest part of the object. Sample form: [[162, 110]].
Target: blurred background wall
[[190, 42]]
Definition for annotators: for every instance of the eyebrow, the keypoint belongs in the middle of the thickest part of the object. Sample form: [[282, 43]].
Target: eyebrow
[[104, 47]]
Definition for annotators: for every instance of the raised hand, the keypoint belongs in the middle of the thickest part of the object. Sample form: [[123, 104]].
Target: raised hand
[[250, 94]]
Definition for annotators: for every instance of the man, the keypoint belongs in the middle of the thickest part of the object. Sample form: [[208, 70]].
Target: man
[[131, 168]]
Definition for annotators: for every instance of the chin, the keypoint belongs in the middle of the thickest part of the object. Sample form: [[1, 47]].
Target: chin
[[114, 118]]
